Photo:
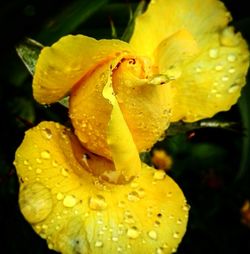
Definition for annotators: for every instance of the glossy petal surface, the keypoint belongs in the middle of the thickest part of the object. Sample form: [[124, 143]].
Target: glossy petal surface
[[62, 65], [145, 107], [208, 81], [76, 212]]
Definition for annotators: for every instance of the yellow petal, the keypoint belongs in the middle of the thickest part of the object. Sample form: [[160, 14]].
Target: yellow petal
[[62, 65], [209, 81], [165, 17], [76, 212], [145, 107], [120, 141], [174, 51], [212, 81]]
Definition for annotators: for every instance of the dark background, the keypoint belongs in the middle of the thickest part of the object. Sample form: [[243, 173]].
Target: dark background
[[211, 165]]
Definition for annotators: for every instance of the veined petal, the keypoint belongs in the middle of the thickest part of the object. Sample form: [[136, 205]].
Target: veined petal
[[173, 52], [208, 81], [76, 212], [211, 82], [165, 17], [62, 65]]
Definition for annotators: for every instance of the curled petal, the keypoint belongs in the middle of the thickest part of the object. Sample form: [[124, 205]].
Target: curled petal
[[120, 141], [77, 212], [62, 65], [163, 18], [145, 106]]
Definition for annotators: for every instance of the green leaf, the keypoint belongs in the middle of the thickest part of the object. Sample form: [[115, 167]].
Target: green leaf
[[29, 50], [69, 19], [182, 127], [130, 27]]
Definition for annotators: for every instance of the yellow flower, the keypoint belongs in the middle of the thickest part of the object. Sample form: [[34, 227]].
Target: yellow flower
[[87, 191], [67, 202]]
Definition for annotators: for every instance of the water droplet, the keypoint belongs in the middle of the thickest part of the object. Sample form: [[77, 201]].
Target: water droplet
[[97, 202], [152, 234], [157, 223], [159, 250], [65, 172], [198, 69], [213, 53], [218, 67], [35, 202], [47, 133], [38, 160], [171, 217], [59, 196], [231, 58], [115, 239], [119, 249], [225, 78], [185, 207], [44, 226], [121, 204], [45, 155], [141, 193], [169, 194], [25, 162], [231, 70], [159, 175], [54, 163], [165, 246], [229, 38], [174, 250], [134, 184], [69, 201], [98, 244], [233, 88], [38, 171], [176, 235], [133, 232], [50, 246], [133, 196], [179, 221], [128, 218]]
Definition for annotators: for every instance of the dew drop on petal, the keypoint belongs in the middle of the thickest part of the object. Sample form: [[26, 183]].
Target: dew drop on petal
[[225, 78], [98, 244], [69, 201], [176, 235], [133, 232], [59, 196], [47, 133], [213, 53], [45, 155], [35, 202], [159, 251], [38, 171], [133, 196], [159, 175], [152, 234], [233, 88], [218, 67], [97, 202], [231, 58]]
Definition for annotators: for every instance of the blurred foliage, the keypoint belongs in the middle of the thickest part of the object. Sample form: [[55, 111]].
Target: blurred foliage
[[212, 165]]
